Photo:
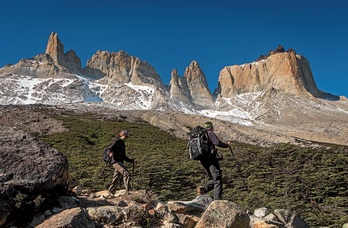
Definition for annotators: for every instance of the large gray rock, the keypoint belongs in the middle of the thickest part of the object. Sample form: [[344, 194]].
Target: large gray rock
[[222, 213], [31, 174], [290, 218], [75, 217]]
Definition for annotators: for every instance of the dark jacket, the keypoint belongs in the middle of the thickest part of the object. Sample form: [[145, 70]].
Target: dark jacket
[[215, 141], [210, 156], [119, 152]]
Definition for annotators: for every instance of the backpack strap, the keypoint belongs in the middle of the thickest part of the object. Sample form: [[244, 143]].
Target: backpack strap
[[113, 143]]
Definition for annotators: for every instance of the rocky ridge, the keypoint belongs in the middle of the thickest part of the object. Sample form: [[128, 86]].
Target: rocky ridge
[[286, 72]]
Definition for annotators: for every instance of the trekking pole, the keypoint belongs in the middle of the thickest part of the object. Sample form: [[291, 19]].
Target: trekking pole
[[101, 172], [239, 170], [237, 163], [133, 175]]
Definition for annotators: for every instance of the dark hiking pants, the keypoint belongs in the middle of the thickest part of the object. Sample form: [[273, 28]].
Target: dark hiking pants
[[214, 175]]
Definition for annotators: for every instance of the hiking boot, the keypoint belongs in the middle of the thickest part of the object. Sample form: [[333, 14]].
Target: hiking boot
[[201, 190]]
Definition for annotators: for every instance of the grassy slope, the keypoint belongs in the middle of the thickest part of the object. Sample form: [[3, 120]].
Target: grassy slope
[[313, 182]]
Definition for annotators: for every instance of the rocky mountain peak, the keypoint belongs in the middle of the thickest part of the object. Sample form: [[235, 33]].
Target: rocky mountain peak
[[55, 49], [194, 72], [175, 78], [69, 60], [52, 63], [194, 65], [178, 88], [123, 68], [174, 72], [279, 49], [136, 83], [198, 86], [285, 71]]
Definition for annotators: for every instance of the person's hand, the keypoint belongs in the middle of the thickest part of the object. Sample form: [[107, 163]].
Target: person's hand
[[111, 154]]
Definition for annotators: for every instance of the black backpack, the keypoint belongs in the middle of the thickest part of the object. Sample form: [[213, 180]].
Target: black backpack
[[107, 159], [198, 143]]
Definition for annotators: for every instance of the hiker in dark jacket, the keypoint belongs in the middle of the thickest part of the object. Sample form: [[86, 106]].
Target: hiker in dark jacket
[[118, 155], [211, 164]]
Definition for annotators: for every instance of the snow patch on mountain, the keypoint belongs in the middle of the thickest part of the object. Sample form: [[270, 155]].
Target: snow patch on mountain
[[22, 89], [146, 94], [233, 115], [125, 96], [139, 88]]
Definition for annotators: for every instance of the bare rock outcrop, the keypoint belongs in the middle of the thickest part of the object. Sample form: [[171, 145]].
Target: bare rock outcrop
[[74, 217], [123, 68], [284, 71], [69, 60], [179, 89], [279, 49], [129, 81], [198, 86], [52, 63], [41, 66], [262, 217], [191, 89], [31, 174], [216, 215], [55, 49]]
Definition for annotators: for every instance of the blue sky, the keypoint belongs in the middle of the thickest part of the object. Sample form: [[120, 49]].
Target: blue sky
[[171, 34]]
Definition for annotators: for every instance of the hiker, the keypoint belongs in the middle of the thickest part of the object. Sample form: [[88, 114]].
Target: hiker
[[211, 164], [118, 155]]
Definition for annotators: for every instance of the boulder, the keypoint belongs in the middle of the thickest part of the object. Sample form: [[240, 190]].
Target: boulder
[[222, 213], [75, 217], [31, 175]]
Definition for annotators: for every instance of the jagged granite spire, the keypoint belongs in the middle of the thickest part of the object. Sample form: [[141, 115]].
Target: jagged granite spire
[[55, 49], [178, 88], [198, 86], [70, 60]]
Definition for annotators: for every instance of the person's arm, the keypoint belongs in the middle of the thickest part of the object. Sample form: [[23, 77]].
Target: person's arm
[[216, 141], [127, 159]]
